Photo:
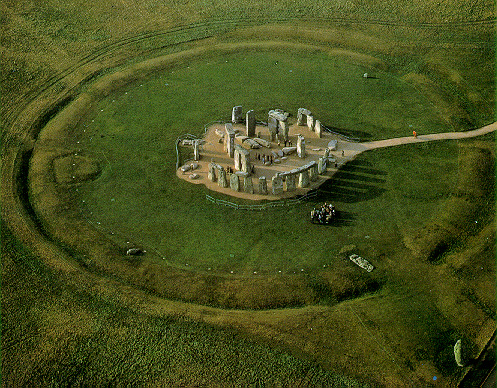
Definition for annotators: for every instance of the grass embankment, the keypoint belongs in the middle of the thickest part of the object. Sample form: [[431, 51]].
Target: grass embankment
[[463, 213], [56, 335]]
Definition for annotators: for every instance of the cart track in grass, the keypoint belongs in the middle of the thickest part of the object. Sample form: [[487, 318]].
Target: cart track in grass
[[18, 217]]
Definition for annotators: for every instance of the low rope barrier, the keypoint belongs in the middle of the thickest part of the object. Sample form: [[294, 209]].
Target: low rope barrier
[[265, 206]]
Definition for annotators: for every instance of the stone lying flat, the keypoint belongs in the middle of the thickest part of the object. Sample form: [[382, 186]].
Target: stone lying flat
[[263, 142], [194, 176], [186, 168], [284, 158], [276, 161], [363, 263], [289, 150], [194, 166], [219, 132], [267, 163], [280, 153], [252, 143], [332, 145], [317, 149], [242, 174]]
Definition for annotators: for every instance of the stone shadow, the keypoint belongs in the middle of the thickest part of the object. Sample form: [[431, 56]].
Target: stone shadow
[[354, 182]]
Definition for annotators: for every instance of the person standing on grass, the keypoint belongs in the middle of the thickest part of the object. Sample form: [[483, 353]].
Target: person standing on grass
[[414, 134]]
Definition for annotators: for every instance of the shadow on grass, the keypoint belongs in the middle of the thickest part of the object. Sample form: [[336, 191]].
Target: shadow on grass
[[354, 182]]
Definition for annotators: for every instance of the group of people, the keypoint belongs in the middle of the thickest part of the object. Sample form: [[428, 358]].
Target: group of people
[[324, 214], [265, 158]]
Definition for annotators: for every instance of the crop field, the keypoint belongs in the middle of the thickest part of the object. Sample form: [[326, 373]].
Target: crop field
[[93, 99]]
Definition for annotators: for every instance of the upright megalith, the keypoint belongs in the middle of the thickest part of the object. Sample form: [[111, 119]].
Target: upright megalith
[[278, 124], [313, 171], [322, 165], [317, 128], [211, 174], [262, 185], [311, 122], [229, 140], [241, 158], [300, 146], [222, 181], [302, 114], [272, 126], [234, 182], [277, 184], [237, 157], [250, 123], [196, 150], [290, 182], [248, 186], [304, 178], [236, 114]]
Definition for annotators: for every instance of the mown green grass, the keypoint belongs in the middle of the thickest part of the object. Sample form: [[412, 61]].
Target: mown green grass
[[79, 338], [139, 198]]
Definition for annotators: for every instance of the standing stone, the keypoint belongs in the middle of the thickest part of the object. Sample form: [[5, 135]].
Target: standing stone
[[302, 114], [317, 128], [248, 187], [234, 182], [322, 165], [313, 171], [211, 175], [283, 131], [237, 157], [222, 181], [236, 114], [277, 184], [301, 146], [196, 150], [290, 182], [245, 161], [310, 122], [262, 185], [250, 123], [272, 125], [229, 139], [304, 178]]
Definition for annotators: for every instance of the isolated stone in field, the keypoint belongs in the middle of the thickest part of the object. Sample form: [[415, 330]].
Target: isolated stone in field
[[277, 184], [134, 252], [211, 175], [301, 146], [248, 186], [235, 182], [458, 353], [348, 248], [222, 181], [236, 114], [290, 182], [250, 123], [361, 262], [302, 114], [288, 150], [304, 178], [262, 185]]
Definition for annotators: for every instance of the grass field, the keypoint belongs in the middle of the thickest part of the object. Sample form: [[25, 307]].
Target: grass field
[[75, 312]]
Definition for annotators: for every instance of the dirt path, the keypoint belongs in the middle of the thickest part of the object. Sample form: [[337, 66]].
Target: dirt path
[[432, 137]]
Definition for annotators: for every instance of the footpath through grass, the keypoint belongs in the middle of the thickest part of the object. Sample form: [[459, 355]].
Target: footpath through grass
[[139, 198]]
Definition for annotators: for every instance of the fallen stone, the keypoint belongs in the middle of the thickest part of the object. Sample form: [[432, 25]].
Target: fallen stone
[[194, 166], [348, 248], [186, 168], [263, 142], [134, 252], [289, 150], [252, 143], [283, 158], [332, 145], [363, 263], [276, 161], [219, 132], [267, 163], [193, 176]]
